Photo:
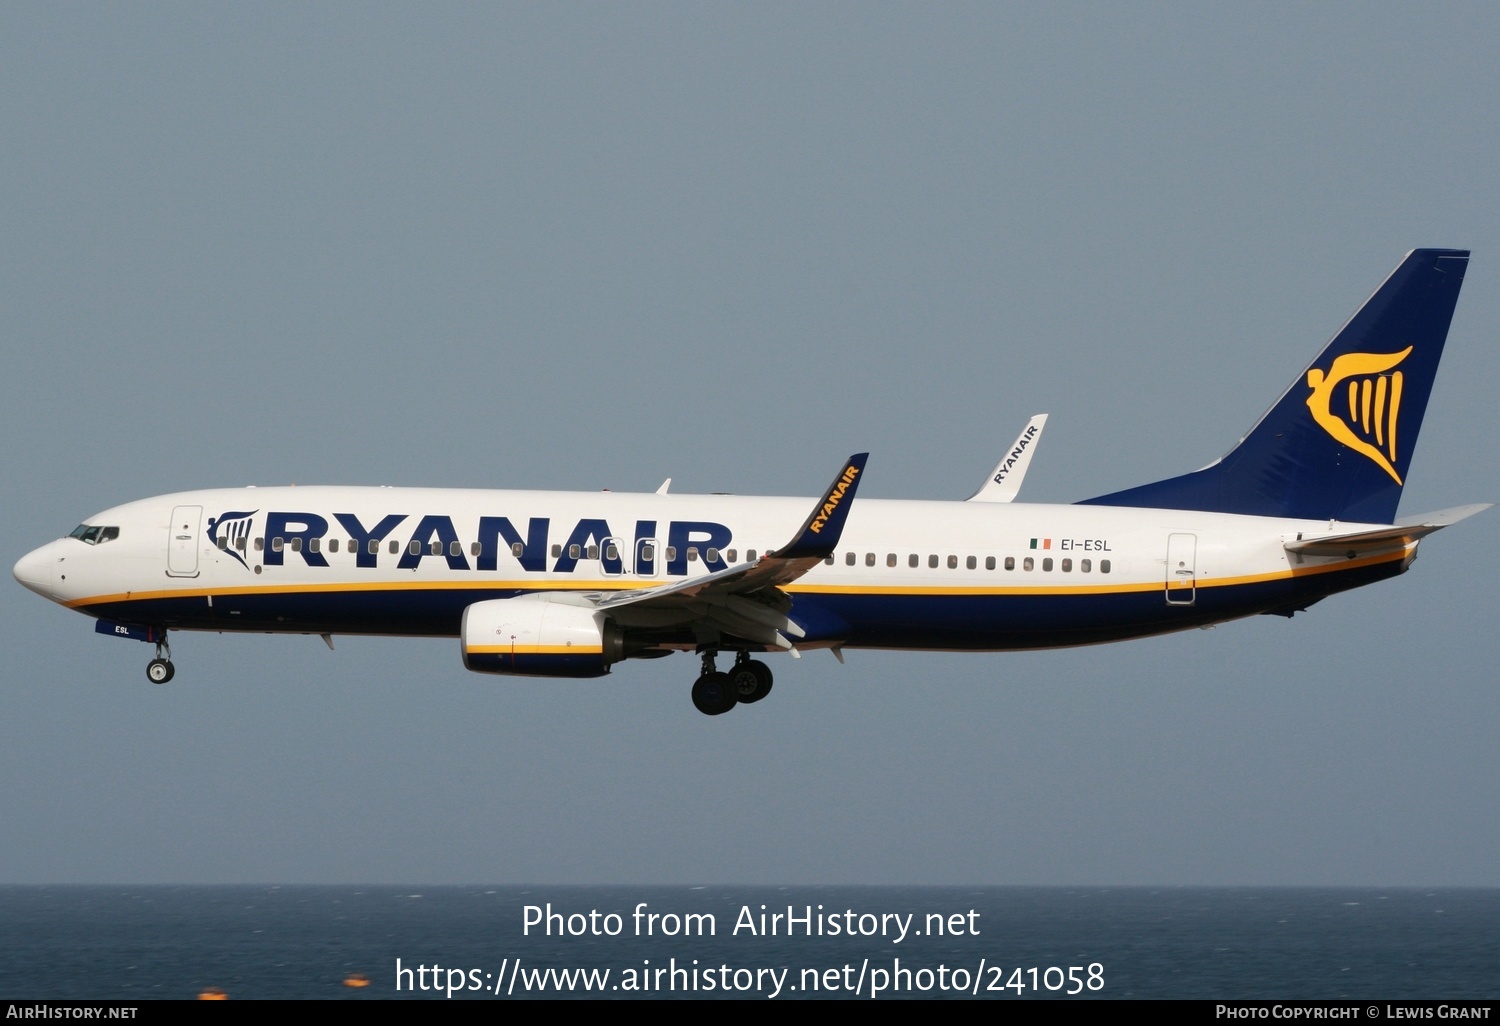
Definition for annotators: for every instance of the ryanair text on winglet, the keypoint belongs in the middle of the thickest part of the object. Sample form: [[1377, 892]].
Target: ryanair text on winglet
[[1014, 456], [835, 496]]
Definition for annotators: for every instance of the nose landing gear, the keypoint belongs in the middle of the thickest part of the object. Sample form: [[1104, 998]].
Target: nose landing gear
[[160, 670]]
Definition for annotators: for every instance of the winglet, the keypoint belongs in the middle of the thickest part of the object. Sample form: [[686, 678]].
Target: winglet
[[816, 540], [819, 535], [1005, 480]]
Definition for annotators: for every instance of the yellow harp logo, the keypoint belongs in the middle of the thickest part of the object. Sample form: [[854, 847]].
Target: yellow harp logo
[[1373, 387]]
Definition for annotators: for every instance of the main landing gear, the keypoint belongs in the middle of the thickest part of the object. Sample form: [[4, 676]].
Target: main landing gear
[[160, 670], [748, 680]]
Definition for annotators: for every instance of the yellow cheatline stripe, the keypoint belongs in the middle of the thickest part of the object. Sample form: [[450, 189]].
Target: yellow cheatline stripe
[[1081, 589], [640, 584], [534, 650], [364, 586], [1100, 589]]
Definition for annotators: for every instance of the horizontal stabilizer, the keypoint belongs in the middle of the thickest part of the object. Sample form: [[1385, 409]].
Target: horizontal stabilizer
[[1410, 529], [1444, 517]]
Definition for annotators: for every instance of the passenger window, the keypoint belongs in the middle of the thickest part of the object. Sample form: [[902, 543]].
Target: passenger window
[[869, 559], [277, 544], [1084, 565], [313, 544], [296, 544], [1067, 566], [692, 553], [573, 551], [372, 546], [952, 562], [593, 552], [670, 553], [260, 545], [239, 543], [932, 561], [971, 563], [1028, 563], [849, 558], [556, 551], [395, 546], [1104, 566], [1047, 564], [414, 547], [519, 549], [473, 548], [729, 556], [829, 560], [712, 555], [223, 543], [890, 560], [750, 556], [333, 544], [455, 548], [1010, 562], [989, 562], [611, 552], [914, 561]]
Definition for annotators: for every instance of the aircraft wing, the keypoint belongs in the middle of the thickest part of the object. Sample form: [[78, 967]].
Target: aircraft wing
[[1404, 532], [746, 599]]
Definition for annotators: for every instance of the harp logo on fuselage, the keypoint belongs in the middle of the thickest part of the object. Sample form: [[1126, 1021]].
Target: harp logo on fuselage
[[1358, 402], [234, 527]]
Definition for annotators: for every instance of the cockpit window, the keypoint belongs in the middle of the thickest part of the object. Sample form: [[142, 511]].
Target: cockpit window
[[92, 534]]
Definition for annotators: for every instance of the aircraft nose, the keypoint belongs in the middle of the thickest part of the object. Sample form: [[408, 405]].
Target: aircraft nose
[[37, 570]]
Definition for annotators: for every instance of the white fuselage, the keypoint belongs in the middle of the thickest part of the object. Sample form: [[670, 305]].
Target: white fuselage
[[917, 574]]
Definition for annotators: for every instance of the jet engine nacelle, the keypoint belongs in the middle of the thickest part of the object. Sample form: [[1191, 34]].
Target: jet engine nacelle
[[540, 636]]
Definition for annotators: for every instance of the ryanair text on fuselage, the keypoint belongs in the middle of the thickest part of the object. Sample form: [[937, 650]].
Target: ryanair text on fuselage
[[303, 535]]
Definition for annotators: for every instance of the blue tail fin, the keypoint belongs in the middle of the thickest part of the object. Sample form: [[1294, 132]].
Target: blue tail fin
[[1338, 444]]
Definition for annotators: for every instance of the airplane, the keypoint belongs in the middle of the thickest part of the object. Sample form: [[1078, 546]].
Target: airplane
[[567, 584]]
